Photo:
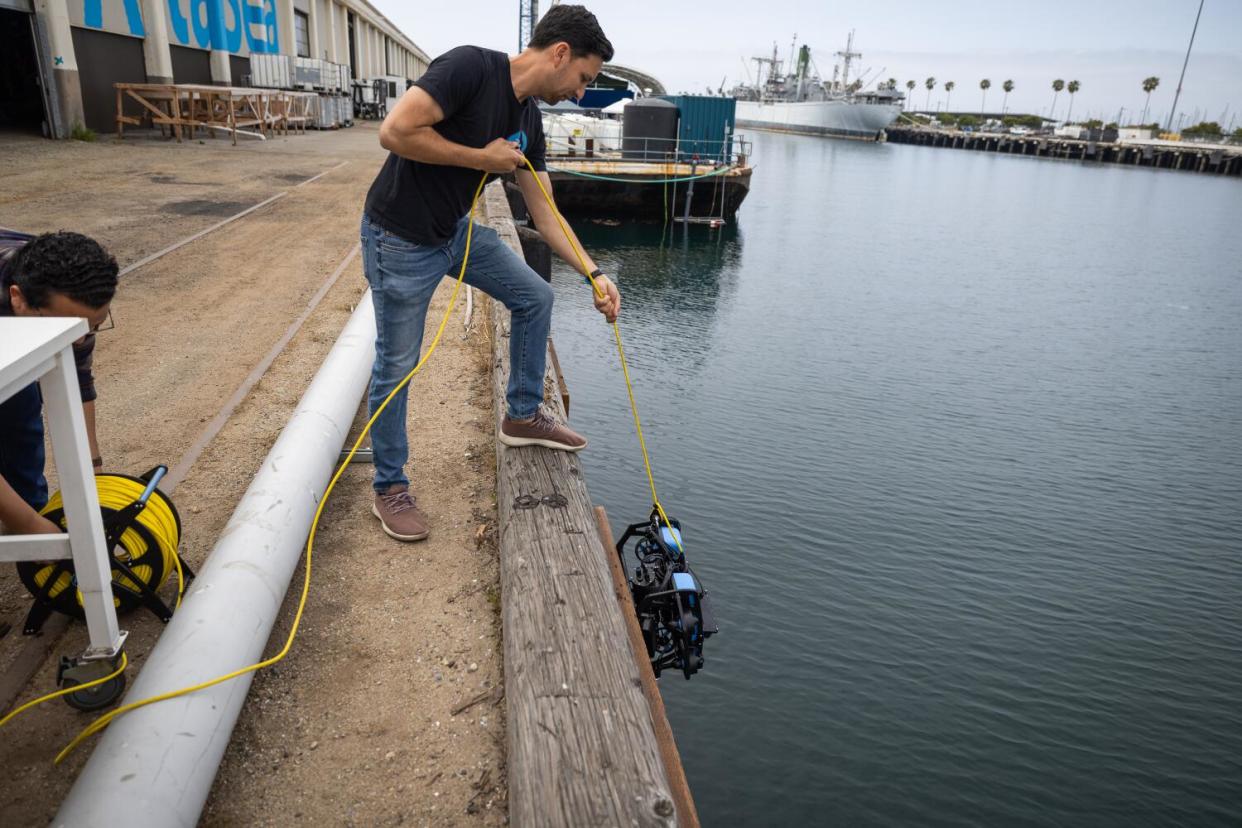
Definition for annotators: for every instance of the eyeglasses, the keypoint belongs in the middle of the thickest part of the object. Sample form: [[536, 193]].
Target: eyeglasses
[[106, 325]]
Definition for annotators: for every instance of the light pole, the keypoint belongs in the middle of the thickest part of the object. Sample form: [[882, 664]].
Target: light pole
[[1178, 94]]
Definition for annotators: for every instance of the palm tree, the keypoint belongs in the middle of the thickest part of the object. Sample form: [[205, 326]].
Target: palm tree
[[948, 94], [892, 83], [1073, 87], [930, 83], [1008, 87], [910, 91], [985, 85], [1149, 86], [1057, 86]]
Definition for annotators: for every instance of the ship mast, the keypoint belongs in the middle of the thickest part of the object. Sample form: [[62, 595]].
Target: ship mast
[[848, 55], [774, 69]]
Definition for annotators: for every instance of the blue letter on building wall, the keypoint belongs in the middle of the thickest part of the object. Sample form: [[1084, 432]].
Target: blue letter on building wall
[[260, 13], [181, 26], [92, 16], [209, 20]]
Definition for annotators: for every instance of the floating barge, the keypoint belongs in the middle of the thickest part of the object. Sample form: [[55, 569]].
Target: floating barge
[[636, 189], [1214, 159], [670, 158]]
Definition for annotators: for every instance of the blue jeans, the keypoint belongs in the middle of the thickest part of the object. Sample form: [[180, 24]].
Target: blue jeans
[[403, 276], [21, 445]]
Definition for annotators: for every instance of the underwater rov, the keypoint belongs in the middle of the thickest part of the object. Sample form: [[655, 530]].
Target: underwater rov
[[142, 531], [669, 599]]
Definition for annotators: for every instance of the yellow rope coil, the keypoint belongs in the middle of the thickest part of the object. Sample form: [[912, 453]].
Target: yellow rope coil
[[150, 566]]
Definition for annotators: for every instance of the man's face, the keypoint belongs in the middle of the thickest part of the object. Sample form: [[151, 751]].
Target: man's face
[[58, 304], [570, 76]]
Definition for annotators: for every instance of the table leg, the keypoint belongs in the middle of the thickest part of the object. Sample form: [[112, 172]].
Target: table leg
[[92, 569], [176, 114]]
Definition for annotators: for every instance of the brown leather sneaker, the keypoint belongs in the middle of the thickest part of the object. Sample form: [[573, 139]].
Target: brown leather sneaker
[[541, 430], [399, 514]]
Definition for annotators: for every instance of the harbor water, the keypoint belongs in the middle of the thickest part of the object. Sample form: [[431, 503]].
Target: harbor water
[[956, 439]]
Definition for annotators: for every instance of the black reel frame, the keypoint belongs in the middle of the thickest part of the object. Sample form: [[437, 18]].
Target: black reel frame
[[115, 523], [669, 600]]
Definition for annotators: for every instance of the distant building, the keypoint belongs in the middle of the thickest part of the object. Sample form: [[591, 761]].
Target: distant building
[[60, 58], [1136, 134]]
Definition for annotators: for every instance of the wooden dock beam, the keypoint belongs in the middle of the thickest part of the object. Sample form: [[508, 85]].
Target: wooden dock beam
[[582, 747]]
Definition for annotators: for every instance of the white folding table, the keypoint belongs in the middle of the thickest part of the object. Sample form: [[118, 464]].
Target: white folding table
[[41, 348]]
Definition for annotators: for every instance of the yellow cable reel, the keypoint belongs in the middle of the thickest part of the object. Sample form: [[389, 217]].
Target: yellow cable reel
[[142, 532]]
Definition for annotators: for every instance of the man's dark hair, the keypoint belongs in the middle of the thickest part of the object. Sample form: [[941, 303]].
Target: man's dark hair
[[573, 25], [67, 263]]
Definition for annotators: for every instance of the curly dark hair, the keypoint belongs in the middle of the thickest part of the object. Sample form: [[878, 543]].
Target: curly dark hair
[[577, 27], [67, 263]]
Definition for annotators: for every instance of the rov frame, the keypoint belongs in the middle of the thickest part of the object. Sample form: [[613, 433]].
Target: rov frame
[[672, 607]]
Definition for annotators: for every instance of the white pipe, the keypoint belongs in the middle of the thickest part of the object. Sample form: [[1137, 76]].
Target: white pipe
[[154, 766]]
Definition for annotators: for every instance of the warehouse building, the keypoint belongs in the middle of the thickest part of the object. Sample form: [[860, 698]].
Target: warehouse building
[[60, 58]]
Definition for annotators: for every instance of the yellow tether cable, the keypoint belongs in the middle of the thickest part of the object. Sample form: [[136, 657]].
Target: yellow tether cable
[[103, 721], [77, 688], [616, 332]]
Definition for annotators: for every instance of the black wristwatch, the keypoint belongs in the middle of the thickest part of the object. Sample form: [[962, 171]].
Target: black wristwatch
[[595, 274]]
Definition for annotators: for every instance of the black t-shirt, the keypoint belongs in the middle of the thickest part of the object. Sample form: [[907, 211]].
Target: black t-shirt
[[473, 86]]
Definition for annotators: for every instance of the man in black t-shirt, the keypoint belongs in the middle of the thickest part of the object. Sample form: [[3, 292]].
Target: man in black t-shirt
[[473, 112]]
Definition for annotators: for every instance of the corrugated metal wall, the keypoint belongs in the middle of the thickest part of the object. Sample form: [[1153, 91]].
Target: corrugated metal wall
[[706, 121]]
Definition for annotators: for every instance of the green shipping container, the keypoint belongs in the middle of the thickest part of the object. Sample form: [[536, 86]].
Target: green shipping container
[[706, 128]]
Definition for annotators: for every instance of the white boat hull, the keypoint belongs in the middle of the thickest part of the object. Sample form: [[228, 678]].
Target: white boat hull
[[864, 121]]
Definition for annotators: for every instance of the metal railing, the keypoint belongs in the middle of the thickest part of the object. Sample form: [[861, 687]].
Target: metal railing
[[734, 150]]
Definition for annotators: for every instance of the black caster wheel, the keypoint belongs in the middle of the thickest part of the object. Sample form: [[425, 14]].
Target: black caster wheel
[[93, 698]]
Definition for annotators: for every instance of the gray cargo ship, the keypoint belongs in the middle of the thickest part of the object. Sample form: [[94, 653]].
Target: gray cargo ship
[[801, 101]]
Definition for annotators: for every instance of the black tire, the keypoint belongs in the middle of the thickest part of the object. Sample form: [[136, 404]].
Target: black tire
[[97, 697]]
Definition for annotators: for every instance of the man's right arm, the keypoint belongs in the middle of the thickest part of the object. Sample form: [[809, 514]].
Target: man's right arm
[[407, 131], [17, 516]]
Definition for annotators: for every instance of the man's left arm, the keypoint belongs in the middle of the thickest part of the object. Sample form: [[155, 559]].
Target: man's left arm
[[545, 218], [88, 413], [83, 357]]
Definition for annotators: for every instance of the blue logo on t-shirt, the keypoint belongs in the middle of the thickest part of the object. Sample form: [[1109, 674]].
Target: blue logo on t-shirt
[[520, 138]]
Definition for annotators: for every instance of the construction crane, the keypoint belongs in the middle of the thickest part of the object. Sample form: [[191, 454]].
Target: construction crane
[[528, 15]]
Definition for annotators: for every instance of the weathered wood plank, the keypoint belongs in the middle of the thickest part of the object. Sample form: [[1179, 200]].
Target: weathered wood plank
[[582, 747]]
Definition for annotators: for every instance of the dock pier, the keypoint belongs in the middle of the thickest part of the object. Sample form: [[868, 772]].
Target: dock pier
[[1212, 159]]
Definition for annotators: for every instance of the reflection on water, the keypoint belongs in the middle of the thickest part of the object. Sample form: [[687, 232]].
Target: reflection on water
[[957, 443]]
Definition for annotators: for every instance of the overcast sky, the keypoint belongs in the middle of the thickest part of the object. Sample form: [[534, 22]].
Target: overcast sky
[[1109, 46]]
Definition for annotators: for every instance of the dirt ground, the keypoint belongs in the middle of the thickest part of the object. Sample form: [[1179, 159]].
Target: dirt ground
[[357, 725]]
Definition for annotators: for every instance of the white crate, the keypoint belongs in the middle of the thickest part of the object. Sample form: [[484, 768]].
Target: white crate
[[270, 71], [325, 115], [307, 73]]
